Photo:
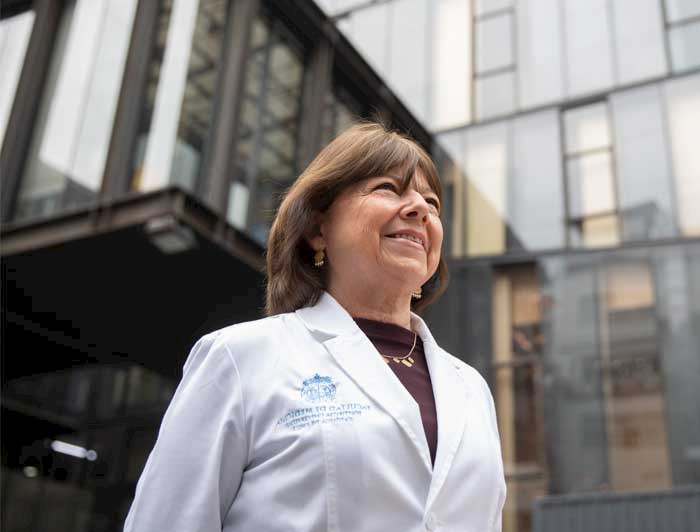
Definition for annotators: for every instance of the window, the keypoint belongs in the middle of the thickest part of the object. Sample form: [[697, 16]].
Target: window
[[14, 38], [638, 40], [180, 93], [518, 342], [612, 380], [643, 164], [683, 29], [494, 61], [535, 207], [368, 30], [487, 171], [540, 52], [682, 102], [452, 172], [587, 44], [632, 378], [394, 38], [499, 173], [408, 73], [74, 120], [450, 79], [266, 150], [484, 7], [677, 10], [341, 111], [588, 158]]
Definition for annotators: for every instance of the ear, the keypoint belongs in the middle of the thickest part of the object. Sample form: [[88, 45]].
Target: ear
[[314, 234]]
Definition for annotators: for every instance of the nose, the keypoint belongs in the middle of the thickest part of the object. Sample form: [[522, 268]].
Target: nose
[[416, 207]]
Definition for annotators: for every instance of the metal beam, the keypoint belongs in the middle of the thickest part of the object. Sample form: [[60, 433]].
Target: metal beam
[[127, 121], [317, 87], [125, 212], [27, 98], [218, 162]]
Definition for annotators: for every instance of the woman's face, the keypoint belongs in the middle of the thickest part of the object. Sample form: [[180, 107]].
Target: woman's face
[[377, 237]]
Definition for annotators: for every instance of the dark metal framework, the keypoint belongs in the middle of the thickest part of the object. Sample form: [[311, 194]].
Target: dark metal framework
[[670, 26], [577, 221], [330, 60], [28, 95]]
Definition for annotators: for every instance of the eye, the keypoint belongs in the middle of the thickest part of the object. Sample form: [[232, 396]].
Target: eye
[[434, 202], [387, 185]]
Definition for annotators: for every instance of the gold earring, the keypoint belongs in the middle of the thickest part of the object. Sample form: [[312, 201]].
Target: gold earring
[[318, 258], [418, 293]]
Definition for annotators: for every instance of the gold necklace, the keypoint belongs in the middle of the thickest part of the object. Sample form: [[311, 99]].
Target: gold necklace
[[406, 360]]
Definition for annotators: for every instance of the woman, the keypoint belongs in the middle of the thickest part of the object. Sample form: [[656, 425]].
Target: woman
[[338, 411]]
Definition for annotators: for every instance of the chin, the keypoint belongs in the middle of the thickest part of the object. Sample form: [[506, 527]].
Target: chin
[[409, 273]]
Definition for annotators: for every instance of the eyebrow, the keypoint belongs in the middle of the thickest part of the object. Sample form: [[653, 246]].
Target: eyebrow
[[422, 190]]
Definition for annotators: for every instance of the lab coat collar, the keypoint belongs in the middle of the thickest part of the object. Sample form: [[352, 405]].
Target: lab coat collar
[[334, 326], [329, 318]]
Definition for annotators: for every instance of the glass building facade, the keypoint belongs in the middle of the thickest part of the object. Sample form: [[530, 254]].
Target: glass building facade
[[103, 104], [566, 132], [574, 178]]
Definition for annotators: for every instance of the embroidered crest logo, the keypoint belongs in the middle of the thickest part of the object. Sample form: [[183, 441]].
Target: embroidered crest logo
[[318, 389]]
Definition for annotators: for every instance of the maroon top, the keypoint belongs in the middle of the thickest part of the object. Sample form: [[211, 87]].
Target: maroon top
[[395, 341]]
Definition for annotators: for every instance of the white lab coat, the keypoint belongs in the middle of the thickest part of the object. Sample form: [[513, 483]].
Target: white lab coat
[[295, 423]]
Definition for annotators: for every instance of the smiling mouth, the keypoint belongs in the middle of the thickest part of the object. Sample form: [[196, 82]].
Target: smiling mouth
[[408, 239]]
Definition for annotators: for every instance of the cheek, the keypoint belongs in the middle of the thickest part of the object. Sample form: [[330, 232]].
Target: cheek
[[436, 238]]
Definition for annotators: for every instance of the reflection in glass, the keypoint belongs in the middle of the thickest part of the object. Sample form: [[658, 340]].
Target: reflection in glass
[[588, 57], [452, 172], [638, 40], [74, 121], [632, 384], [681, 9], [14, 38], [572, 396], [518, 344], [586, 128], [683, 114], [495, 95], [97, 408], [486, 169], [340, 112], [482, 7], [536, 198], [333, 7], [450, 78], [521, 495], [409, 65], [540, 54], [367, 30], [592, 201], [596, 231], [266, 151], [618, 374], [494, 44], [677, 289], [181, 91], [684, 41], [643, 164], [591, 189]]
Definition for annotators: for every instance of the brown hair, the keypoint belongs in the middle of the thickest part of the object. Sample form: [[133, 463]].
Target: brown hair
[[364, 150]]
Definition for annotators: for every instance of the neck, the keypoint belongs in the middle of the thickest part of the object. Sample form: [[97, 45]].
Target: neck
[[375, 305]]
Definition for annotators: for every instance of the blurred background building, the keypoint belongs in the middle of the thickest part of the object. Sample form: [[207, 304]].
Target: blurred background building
[[145, 145]]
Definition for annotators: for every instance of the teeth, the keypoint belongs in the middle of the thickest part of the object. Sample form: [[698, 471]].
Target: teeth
[[410, 237]]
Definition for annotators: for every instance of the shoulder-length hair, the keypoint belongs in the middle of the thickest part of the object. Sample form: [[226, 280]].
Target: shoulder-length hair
[[364, 150]]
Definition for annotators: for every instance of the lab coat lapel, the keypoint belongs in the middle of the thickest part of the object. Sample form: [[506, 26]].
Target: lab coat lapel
[[451, 404], [357, 356]]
